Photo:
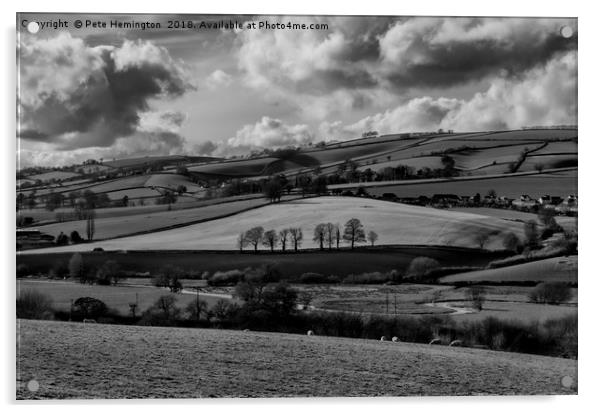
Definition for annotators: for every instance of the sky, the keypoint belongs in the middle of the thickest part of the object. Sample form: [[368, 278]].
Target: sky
[[93, 93]]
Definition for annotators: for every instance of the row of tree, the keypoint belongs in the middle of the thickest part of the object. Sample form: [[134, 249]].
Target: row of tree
[[325, 234]]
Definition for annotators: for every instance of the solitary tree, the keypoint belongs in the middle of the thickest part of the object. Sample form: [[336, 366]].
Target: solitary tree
[[372, 237], [531, 234], [354, 232], [254, 236], [481, 239], [337, 234], [320, 234], [511, 242], [269, 239], [296, 237], [282, 237], [197, 310], [476, 295]]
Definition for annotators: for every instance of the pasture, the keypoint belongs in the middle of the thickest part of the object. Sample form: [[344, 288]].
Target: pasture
[[141, 362], [135, 220], [115, 297], [503, 302], [56, 175], [513, 186], [552, 269], [395, 224]]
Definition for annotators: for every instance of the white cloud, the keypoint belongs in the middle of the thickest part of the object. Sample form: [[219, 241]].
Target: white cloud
[[218, 79]]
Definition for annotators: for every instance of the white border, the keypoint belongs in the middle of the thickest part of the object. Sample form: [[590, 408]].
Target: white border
[[590, 155]]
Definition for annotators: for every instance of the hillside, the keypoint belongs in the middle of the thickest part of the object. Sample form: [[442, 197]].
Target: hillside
[[147, 362], [394, 223]]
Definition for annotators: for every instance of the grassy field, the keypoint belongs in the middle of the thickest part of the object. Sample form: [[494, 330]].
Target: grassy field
[[116, 297], [568, 223], [536, 185], [395, 224], [122, 225], [503, 302], [291, 264], [83, 361], [551, 269], [58, 175]]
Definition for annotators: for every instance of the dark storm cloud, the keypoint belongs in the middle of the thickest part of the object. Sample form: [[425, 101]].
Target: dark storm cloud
[[78, 96]]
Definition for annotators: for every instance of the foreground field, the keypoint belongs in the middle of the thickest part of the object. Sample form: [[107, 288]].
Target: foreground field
[[83, 361], [395, 224]]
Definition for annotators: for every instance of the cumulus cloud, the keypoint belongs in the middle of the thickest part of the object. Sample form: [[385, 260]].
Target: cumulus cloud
[[266, 133], [342, 68], [75, 96], [218, 79], [544, 95]]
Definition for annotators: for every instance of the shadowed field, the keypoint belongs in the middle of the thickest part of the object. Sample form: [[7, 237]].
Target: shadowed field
[[74, 360]]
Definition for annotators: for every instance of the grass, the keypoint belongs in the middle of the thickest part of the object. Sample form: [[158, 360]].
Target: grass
[[552, 269], [116, 297], [536, 185], [395, 224], [75, 360], [145, 219], [58, 175]]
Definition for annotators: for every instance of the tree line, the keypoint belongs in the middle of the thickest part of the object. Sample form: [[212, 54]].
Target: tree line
[[326, 235]]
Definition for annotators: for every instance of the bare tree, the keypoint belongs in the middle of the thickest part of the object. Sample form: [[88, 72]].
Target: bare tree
[[354, 232], [269, 239], [282, 237], [254, 236], [241, 241], [476, 295], [372, 237], [330, 234], [320, 234], [337, 234], [481, 239], [296, 237]]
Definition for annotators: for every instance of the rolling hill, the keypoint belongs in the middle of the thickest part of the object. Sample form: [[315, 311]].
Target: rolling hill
[[394, 223]]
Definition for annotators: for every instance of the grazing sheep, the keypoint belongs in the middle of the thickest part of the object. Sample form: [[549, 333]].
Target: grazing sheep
[[310, 332], [456, 343], [435, 341], [395, 339], [383, 338]]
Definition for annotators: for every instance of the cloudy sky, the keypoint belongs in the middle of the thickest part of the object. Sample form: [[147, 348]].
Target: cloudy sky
[[111, 93]]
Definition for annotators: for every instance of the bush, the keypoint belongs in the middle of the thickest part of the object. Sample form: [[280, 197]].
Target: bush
[[220, 278], [89, 307], [551, 293], [162, 313], [367, 278], [421, 267], [34, 305], [317, 278], [76, 238]]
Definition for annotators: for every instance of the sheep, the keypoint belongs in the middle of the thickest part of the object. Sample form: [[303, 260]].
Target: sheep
[[395, 339], [435, 341], [383, 338], [456, 343], [310, 332]]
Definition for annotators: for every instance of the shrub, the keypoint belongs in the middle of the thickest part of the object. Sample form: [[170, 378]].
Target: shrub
[[551, 293], [34, 305], [367, 278], [109, 272], [76, 238], [89, 307], [421, 267], [220, 278], [317, 278], [162, 313]]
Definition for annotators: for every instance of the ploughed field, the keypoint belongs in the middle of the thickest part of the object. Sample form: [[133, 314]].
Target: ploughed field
[[395, 224], [76, 360]]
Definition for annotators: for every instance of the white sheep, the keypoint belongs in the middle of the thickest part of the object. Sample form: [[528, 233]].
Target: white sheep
[[310, 332], [456, 343], [395, 339], [435, 341], [383, 338]]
